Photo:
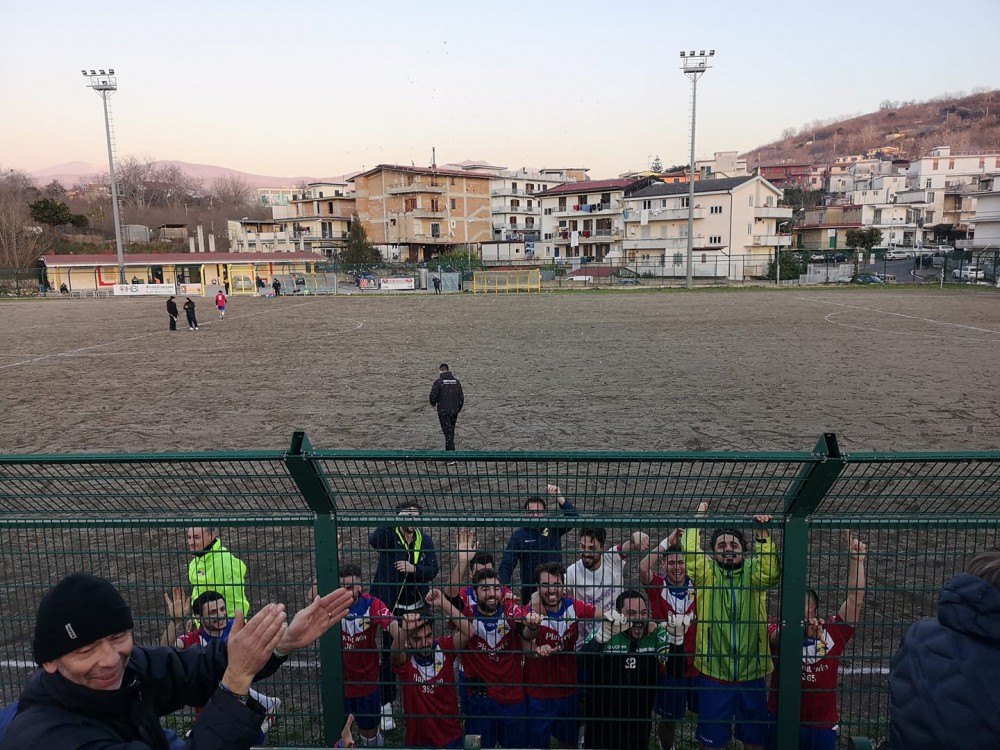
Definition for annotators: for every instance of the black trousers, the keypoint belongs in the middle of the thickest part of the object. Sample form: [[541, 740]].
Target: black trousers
[[448, 428], [173, 322], [192, 320]]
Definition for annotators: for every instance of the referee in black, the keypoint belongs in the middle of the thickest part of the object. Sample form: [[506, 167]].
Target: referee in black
[[447, 396]]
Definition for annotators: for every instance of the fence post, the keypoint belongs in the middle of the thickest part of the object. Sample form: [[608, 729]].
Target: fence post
[[317, 494], [805, 495]]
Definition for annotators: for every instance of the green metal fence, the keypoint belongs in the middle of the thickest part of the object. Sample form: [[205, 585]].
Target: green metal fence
[[295, 516]]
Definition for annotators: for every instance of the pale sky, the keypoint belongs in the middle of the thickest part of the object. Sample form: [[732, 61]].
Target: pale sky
[[325, 87]]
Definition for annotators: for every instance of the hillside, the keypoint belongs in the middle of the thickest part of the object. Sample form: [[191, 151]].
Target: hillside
[[968, 123]]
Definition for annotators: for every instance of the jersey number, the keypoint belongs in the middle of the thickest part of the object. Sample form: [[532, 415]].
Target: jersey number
[[630, 662]]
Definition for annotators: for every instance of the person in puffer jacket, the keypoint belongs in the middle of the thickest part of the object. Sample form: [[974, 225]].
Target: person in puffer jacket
[[943, 689]]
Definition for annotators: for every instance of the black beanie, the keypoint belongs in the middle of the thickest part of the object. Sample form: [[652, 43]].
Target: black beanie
[[77, 611]]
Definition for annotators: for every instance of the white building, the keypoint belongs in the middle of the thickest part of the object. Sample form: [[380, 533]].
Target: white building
[[737, 226], [722, 164], [986, 224], [516, 211]]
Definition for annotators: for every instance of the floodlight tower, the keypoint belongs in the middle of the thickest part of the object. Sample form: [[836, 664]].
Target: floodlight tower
[[105, 84], [693, 65]]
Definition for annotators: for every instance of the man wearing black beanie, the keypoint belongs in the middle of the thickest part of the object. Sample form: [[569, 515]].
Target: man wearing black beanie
[[96, 689]]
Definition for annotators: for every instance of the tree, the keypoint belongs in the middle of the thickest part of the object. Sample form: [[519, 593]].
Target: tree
[[863, 240], [232, 190], [55, 213], [359, 251], [55, 189], [792, 266], [656, 166], [21, 244]]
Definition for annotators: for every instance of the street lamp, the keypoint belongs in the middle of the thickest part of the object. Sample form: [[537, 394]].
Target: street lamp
[[777, 253], [693, 66], [105, 84]]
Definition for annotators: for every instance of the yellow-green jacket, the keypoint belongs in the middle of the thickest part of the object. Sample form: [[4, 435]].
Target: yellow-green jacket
[[731, 641], [216, 569]]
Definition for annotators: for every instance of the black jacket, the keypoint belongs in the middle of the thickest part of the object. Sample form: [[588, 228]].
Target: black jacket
[[56, 714], [391, 586], [446, 394], [171, 308], [943, 688]]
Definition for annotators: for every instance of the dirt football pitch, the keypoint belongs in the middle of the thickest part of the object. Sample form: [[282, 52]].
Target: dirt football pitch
[[631, 370]]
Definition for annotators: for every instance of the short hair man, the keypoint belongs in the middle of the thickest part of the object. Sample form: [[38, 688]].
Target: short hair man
[[552, 692], [407, 563], [597, 577], [943, 687], [449, 398], [672, 603], [622, 663], [96, 688], [209, 609], [426, 669], [214, 568], [531, 546], [493, 664], [732, 655], [362, 692], [822, 651]]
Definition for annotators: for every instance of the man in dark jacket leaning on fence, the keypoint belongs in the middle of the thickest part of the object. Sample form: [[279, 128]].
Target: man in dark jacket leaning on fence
[[943, 688], [96, 689]]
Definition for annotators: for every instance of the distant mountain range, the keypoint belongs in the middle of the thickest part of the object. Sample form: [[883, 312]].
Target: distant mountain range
[[72, 172]]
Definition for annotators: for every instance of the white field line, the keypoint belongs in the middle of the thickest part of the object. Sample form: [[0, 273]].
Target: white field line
[[932, 321]]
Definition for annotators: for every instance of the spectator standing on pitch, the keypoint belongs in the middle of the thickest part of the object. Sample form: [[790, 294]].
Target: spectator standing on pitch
[[407, 563], [276, 286], [436, 279], [529, 547], [220, 303], [493, 664], [172, 313], [426, 669], [362, 694], [216, 624], [622, 662], [732, 654], [552, 694], [672, 603], [214, 568], [448, 397], [943, 687], [96, 688], [596, 578], [189, 311], [822, 650]]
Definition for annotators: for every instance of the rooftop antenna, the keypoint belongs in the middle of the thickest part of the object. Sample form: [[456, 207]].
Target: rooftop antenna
[[434, 160]]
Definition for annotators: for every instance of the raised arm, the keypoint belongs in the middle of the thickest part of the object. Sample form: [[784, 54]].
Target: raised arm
[[178, 610], [463, 627], [695, 559], [765, 572], [850, 610], [401, 638], [565, 506], [466, 551], [648, 564], [638, 542]]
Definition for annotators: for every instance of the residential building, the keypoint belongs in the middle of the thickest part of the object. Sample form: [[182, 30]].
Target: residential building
[[417, 213], [955, 179], [825, 227], [262, 236], [270, 197], [516, 211], [584, 219], [986, 225], [737, 227], [321, 217], [722, 164], [786, 174]]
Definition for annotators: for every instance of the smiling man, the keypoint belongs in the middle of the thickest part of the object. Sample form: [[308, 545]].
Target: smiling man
[[96, 688]]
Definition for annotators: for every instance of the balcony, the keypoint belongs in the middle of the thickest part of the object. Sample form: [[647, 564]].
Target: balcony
[[582, 208], [416, 187], [664, 214], [662, 243], [427, 213], [772, 240], [772, 212], [509, 191], [519, 227], [506, 209], [599, 235], [985, 243]]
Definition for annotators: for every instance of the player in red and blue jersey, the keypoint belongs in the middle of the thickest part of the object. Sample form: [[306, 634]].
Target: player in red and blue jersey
[[493, 663], [672, 605], [426, 669], [362, 691], [552, 702]]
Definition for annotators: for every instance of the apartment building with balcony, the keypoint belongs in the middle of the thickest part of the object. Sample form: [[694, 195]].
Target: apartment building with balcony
[[825, 227], [722, 164], [585, 219], [986, 224], [737, 226], [417, 213], [321, 216], [516, 210]]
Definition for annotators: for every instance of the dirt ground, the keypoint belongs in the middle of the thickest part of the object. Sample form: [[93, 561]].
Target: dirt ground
[[630, 370]]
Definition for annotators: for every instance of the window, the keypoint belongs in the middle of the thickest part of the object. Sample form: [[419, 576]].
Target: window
[[329, 207], [529, 222], [434, 204], [716, 210], [453, 204], [685, 202], [647, 204], [678, 259], [515, 204], [529, 188], [927, 184], [530, 204], [453, 181], [435, 230], [704, 257], [749, 228], [715, 239], [934, 165], [562, 203], [951, 164], [409, 204], [581, 200], [982, 162], [749, 200]]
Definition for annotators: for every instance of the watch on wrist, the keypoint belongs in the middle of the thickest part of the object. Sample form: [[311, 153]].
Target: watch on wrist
[[241, 697]]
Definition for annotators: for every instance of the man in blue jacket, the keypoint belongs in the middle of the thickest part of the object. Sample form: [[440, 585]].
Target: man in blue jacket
[[96, 688], [529, 547], [943, 690], [407, 564]]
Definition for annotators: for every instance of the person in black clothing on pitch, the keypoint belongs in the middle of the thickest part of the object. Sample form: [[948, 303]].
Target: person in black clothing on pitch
[[447, 396], [172, 312]]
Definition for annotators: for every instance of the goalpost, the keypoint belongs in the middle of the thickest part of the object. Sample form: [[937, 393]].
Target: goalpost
[[527, 280]]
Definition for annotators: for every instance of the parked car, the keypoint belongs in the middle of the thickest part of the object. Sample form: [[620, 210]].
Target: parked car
[[969, 273], [867, 278], [898, 253], [828, 258]]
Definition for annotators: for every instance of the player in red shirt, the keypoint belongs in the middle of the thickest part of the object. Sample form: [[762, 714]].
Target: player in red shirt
[[220, 302], [426, 669], [362, 691], [821, 653], [552, 702], [672, 604], [493, 663]]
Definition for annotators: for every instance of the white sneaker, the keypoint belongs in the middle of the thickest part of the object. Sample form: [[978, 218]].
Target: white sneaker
[[387, 721], [271, 719]]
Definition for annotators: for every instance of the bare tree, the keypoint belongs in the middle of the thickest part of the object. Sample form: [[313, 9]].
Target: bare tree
[[21, 243], [232, 190]]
